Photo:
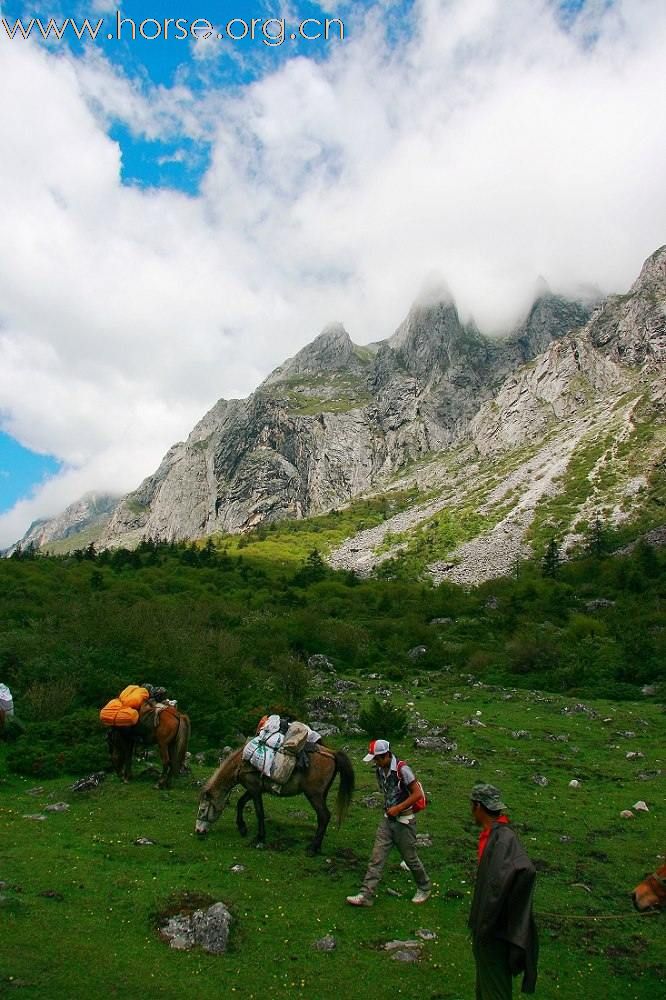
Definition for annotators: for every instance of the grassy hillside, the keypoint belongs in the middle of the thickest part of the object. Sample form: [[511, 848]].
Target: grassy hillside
[[80, 898]]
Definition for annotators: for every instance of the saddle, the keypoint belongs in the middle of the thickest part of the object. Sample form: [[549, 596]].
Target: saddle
[[303, 756]]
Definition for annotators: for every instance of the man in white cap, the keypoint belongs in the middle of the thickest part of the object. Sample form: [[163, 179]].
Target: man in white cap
[[402, 792]]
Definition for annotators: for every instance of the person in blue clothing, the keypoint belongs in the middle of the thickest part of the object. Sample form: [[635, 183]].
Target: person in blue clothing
[[397, 827]]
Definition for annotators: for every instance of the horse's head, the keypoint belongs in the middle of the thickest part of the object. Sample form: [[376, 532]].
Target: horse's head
[[208, 812], [650, 894]]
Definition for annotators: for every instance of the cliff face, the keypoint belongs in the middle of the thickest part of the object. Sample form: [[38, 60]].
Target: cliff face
[[81, 523], [338, 420], [626, 333], [577, 433], [330, 423]]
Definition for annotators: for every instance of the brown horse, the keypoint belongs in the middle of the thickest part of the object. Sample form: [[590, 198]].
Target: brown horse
[[313, 782], [170, 730], [650, 894]]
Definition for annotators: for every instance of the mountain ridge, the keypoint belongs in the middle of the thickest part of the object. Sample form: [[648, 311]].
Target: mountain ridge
[[339, 421]]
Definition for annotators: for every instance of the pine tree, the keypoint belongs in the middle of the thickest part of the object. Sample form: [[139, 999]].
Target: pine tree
[[597, 543], [550, 565]]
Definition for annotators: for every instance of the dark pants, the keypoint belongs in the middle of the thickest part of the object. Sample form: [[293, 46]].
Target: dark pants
[[403, 835], [493, 975]]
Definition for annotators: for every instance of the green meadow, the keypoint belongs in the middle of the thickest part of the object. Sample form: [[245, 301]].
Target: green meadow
[[81, 898], [536, 676]]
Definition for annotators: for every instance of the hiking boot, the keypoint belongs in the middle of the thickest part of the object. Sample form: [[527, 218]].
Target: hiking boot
[[421, 895], [359, 900]]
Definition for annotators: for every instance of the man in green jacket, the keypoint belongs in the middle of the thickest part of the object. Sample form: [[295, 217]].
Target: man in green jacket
[[504, 938]]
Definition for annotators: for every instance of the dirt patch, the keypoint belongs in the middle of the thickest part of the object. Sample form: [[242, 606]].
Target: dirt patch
[[185, 902]]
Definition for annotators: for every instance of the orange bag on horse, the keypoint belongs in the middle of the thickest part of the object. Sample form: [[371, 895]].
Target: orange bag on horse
[[133, 696], [115, 713]]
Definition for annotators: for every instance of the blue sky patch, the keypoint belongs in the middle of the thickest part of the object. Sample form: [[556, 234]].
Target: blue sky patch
[[21, 470]]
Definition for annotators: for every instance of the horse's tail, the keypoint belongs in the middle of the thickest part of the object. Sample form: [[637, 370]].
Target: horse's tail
[[344, 768], [181, 742]]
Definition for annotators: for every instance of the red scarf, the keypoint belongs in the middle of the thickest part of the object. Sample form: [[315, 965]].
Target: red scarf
[[485, 833]]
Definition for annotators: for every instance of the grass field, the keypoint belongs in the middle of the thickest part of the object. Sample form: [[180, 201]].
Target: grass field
[[77, 910]]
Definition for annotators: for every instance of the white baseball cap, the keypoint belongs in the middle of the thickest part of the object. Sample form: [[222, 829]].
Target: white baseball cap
[[375, 749]]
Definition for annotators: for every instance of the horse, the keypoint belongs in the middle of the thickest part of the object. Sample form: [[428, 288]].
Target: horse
[[168, 728], [650, 894], [313, 782]]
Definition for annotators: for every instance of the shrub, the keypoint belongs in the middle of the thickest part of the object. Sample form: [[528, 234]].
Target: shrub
[[74, 745], [382, 719], [290, 682], [49, 699]]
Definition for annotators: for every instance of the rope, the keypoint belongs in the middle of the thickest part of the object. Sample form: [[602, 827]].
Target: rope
[[613, 916]]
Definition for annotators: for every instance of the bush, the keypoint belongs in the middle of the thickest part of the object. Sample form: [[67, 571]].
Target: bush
[[383, 719], [49, 699], [290, 682], [74, 745]]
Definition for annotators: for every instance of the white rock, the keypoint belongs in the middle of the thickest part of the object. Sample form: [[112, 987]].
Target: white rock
[[627, 814], [640, 806], [575, 783]]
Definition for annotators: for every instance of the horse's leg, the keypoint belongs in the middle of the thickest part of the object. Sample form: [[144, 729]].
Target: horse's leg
[[259, 810], [166, 776], [240, 822], [318, 803], [125, 748]]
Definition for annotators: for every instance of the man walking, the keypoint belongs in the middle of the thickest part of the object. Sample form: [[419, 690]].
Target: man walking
[[401, 792], [504, 938]]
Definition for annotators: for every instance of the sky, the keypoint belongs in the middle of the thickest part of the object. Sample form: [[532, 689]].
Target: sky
[[181, 215]]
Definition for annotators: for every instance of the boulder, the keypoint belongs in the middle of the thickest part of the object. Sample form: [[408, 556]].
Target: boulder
[[436, 743], [207, 929], [417, 652], [320, 662]]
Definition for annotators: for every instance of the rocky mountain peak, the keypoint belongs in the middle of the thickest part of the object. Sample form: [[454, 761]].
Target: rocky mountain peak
[[90, 513], [432, 340], [332, 350], [338, 420], [632, 328]]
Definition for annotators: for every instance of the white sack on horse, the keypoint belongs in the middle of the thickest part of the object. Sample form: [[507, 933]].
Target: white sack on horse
[[6, 701]]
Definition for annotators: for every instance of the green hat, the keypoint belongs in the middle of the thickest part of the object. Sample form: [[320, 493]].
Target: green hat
[[489, 797]]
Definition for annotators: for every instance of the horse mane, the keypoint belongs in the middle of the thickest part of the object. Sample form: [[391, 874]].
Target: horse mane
[[226, 774]]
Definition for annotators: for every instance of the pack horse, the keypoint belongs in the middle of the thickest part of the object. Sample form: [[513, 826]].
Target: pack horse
[[650, 894], [314, 782], [168, 728]]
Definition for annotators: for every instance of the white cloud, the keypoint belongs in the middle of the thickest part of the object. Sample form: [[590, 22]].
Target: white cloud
[[490, 148]]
